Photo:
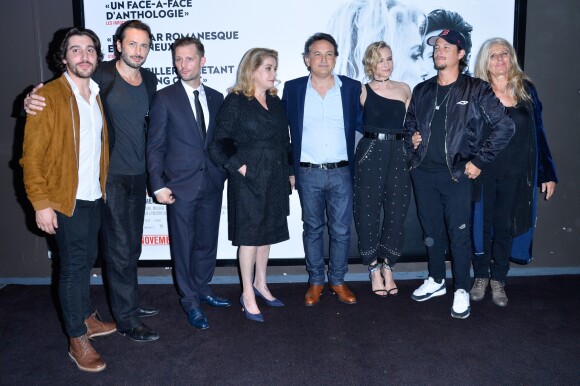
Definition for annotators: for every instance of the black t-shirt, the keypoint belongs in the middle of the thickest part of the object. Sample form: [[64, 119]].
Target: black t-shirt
[[128, 106], [511, 161], [434, 159]]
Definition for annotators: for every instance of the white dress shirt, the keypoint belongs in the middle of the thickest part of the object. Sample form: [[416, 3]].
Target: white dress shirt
[[202, 99], [91, 130]]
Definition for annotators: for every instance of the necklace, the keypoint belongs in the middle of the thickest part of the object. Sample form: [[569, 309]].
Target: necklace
[[381, 81], [444, 99]]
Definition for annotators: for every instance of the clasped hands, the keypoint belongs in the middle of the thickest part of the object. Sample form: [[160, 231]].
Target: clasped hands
[[471, 171]]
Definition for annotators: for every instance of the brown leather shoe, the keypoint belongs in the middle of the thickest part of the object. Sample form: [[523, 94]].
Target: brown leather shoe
[[312, 296], [96, 327], [84, 355], [344, 294]]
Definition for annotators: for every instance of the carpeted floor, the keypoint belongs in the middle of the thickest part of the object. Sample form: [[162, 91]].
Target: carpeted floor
[[386, 341]]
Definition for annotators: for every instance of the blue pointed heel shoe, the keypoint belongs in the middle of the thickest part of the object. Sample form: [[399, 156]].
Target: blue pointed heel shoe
[[271, 303], [255, 317]]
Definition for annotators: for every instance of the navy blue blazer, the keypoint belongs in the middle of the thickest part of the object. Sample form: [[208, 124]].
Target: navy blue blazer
[[294, 96], [177, 157]]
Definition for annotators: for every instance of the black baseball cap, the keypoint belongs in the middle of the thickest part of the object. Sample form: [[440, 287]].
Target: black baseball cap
[[450, 36]]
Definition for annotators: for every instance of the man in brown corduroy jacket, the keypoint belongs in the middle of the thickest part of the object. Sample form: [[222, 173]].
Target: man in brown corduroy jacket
[[65, 161]]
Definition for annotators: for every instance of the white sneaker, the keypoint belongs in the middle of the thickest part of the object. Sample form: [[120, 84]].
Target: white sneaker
[[430, 288], [461, 307]]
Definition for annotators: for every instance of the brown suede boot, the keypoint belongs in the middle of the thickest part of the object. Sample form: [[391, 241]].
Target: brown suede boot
[[96, 327], [84, 355]]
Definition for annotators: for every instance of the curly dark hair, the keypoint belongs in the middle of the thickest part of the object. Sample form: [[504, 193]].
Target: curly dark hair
[[60, 53]]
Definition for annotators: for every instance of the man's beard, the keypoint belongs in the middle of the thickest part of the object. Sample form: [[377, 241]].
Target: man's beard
[[439, 67], [84, 74], [127, 59]]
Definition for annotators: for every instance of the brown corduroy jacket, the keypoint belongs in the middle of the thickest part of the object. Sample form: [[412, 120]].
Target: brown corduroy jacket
[[50, 156]]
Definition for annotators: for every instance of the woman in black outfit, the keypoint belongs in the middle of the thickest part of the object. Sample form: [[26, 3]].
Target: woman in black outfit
[[251, 140], [381, 176], [509, 183]]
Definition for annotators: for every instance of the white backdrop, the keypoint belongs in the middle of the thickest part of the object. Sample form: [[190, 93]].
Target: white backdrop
[[228, 28]]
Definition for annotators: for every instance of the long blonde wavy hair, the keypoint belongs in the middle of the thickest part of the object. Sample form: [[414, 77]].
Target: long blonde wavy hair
[[516, 77]]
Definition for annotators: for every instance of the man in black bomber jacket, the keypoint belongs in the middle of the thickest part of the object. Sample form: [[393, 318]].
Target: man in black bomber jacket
[[446, 147]]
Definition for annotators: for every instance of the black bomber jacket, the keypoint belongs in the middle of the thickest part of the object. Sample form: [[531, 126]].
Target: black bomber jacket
[[470, 106]]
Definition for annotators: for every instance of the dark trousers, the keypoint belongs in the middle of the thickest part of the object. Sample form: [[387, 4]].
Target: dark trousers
[[381, 181], [498, 210], [444, 210], [77, 241], [193, 232], [124, 212]]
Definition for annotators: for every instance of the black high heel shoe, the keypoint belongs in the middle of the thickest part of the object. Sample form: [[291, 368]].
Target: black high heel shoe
[[387, 267], [254, 317], [271, 303], [373, 268]]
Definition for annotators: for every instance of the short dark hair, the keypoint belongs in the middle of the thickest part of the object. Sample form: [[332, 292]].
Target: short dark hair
[[121, 31], [316, 37], [188, 41], [60, 53]]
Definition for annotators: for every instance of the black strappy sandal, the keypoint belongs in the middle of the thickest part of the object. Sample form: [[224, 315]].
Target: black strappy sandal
[[387, 267], [373, 268]]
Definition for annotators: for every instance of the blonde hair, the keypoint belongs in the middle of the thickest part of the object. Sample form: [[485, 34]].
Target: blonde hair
[[516, 77], [372, 57], [357, 23], [250, 62]]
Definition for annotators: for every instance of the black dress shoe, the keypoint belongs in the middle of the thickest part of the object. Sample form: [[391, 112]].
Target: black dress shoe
[[215, 301], [141, 333], [146, 311], [197, 319]]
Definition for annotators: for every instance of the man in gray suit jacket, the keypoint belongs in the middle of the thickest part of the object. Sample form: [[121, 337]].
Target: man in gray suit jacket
[[182, 176]]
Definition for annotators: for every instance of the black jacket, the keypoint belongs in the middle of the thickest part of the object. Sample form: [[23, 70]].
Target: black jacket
[[471, 104], [105, 76]]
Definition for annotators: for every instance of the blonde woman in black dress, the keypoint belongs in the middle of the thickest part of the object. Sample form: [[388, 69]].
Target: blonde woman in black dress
[[381, 177], [252, 142]]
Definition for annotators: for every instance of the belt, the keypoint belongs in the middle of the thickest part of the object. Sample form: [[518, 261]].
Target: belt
[[331, 165], [384, 137]]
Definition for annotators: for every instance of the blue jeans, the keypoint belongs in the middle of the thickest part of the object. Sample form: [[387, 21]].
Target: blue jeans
[[124, 212], [326, 194], [77, 240]]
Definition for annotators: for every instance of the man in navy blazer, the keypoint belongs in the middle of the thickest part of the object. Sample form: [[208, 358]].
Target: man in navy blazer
[[324, 112], [182, 176]]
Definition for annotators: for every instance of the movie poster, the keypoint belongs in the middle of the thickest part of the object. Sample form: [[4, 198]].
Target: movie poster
[[229, 28]]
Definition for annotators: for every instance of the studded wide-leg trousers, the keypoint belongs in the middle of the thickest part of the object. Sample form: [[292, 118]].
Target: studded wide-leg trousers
[[382, 184]]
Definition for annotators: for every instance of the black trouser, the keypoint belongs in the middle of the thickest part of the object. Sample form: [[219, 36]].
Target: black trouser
[[444, 210], [77, 240], [193, 231], [498, 210], [124, 213], [381, 181]]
